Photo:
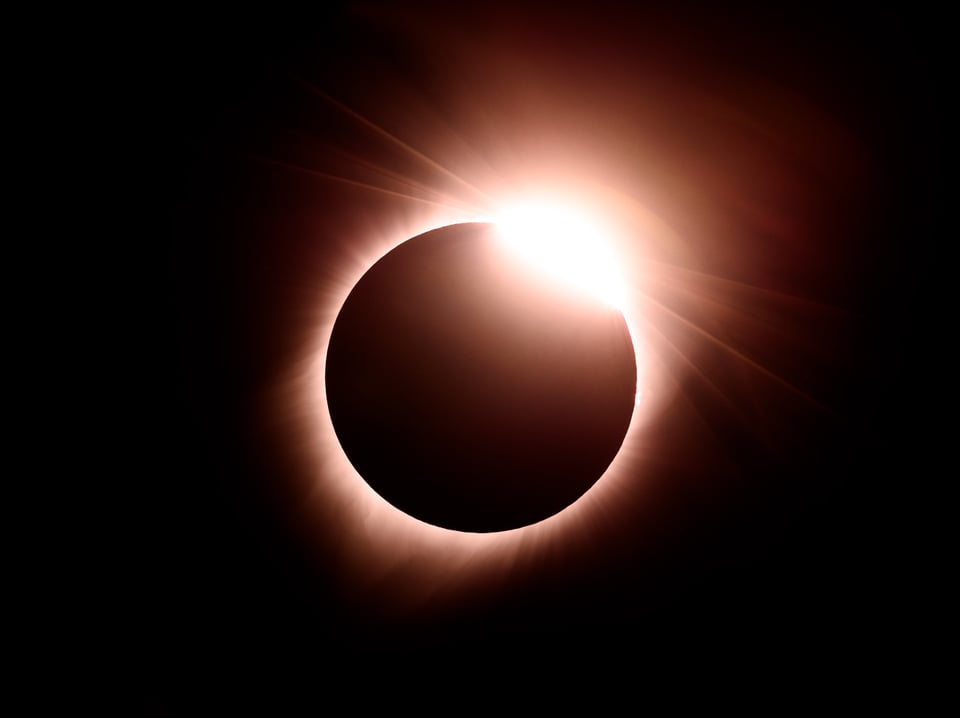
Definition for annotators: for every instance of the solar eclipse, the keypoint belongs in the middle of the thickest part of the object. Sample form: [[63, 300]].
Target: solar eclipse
[[413, 398]]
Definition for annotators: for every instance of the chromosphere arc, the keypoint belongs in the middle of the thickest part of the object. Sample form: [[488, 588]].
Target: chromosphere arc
[[471, 392]]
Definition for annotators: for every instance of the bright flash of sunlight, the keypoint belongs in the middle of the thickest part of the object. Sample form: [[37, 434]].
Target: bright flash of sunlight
[[565, 245]]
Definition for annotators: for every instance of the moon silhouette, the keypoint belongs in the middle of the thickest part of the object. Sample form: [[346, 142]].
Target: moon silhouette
[[471, 393]]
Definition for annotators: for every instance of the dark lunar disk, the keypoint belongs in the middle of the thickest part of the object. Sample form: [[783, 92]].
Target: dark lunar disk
[[472, 393]]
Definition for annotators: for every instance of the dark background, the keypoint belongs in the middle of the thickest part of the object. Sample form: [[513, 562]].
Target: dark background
[[233, 597]]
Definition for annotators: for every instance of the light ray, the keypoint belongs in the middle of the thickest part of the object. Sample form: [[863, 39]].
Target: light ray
[[738, 354], [691, 365], [449, 198], [688, 274], [414, 152], [353, 183]]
